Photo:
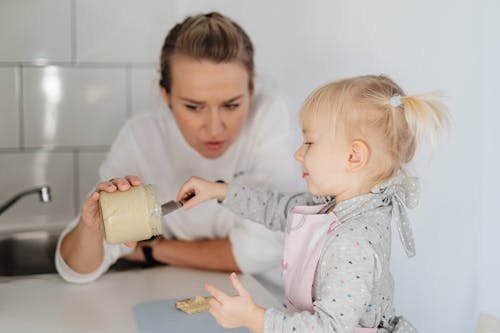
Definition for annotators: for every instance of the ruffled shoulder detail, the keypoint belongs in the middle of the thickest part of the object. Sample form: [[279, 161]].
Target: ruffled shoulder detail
[[401, 192]]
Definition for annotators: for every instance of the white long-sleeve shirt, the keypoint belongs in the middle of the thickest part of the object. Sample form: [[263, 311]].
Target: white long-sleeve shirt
[[151, 146]]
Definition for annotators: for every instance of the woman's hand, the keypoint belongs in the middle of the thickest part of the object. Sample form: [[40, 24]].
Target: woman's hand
[[236, 311], [82, 247], [136, 255], [202, 189], [91, 218]]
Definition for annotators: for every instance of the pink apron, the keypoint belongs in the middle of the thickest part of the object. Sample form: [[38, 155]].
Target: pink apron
[[304, 239]]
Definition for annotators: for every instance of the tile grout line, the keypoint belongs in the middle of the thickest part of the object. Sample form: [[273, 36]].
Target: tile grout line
[[128, 91], [72, 16], [76, 174], [20, 107], [56, 149]]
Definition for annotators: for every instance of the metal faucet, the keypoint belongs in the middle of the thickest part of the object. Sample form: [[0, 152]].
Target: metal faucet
[[43, 193]]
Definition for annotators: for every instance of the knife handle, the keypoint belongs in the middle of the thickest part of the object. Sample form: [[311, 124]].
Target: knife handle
[[189, 196]]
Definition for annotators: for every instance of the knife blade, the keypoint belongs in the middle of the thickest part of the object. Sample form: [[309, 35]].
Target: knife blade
[[172, 205]]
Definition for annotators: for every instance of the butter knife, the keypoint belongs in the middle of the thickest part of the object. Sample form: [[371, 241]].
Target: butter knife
[[173, 205]]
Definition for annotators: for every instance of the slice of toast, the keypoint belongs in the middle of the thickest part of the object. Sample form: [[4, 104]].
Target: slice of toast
[[193, 305]]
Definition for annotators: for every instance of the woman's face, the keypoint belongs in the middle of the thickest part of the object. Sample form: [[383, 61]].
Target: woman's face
[[210, 102]]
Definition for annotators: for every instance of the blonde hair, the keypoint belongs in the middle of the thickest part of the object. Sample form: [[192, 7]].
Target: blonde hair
[[211, 36], [361, 107]]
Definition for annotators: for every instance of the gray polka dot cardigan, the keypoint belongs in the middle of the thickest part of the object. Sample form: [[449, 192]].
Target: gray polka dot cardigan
[[353, 286]]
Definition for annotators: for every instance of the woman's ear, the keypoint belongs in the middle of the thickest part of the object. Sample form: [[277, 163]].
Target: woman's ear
[[359, 154], [251, 88], [166, 96]]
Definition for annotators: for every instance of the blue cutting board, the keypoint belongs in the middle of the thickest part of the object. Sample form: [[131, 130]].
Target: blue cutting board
[[163, 316]]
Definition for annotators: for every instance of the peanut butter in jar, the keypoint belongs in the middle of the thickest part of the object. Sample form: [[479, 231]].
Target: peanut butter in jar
[[131, 215]]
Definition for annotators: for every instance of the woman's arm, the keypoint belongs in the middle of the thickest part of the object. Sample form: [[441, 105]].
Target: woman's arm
[[81, 251], [210, 254]]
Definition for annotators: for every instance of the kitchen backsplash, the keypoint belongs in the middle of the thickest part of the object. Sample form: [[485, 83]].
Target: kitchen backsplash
[[71, 73]]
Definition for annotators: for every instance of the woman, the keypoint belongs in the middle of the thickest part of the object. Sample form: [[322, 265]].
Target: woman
[[217, 128]]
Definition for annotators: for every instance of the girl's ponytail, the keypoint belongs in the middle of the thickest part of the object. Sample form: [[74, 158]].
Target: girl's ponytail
[[426, 116]]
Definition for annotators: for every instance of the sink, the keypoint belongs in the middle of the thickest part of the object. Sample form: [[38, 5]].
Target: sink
[[26, 253], [32, 252]]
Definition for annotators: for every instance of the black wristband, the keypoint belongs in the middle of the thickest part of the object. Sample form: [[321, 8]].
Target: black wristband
[[147, 251], [222, 182]]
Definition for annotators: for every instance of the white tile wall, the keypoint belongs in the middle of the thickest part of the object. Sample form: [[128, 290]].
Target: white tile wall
[[35, 30], [145, 90], [73, 106], [88, 175], [26, 170], [127, 30], [9, 108], [71, 72]]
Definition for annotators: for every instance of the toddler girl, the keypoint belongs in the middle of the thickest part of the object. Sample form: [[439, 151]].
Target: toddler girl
[[359, 133]]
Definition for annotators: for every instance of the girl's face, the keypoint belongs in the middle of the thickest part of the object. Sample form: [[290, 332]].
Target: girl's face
[[324, 158], [210, 102]]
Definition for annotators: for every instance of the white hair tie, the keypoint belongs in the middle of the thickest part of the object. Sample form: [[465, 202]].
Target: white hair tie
[[396, 101]]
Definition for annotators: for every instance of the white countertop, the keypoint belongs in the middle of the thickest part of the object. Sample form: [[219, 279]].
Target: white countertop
[[45, 303]]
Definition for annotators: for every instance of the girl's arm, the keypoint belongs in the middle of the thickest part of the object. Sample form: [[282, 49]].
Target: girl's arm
[[236, 311], [266, 207]]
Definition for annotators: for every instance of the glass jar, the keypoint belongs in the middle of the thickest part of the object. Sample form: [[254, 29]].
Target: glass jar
[[131, 215]]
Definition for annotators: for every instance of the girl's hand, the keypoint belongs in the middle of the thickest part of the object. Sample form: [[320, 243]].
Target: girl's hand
[[90, 217], [236, 311], [202, 189]]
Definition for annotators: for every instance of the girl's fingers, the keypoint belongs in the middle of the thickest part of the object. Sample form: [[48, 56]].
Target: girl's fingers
[[185, 190], [130, 244], [191, 202], [188, 195], [242, 291], [219, 295], [215, 304]]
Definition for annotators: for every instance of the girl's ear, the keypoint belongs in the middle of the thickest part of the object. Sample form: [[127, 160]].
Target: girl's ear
[[359, 155]]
